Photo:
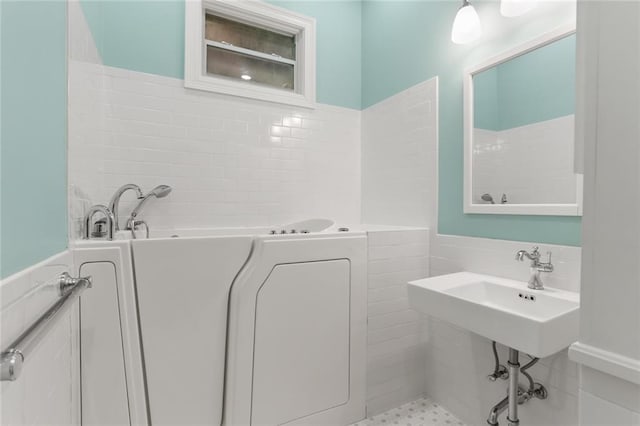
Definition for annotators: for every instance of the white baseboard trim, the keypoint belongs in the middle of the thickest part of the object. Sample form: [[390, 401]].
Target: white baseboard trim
[[611, 363]]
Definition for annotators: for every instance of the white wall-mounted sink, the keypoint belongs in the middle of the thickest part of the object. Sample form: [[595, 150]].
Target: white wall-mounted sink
[[536, 322]]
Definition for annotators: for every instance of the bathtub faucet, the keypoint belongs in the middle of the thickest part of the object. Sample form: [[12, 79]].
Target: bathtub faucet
[[108, 221], [115, 200], [159, 191]]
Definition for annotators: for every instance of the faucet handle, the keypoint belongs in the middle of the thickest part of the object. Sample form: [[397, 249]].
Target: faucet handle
[[535, 254], [99, 228], [545, 266], [109, 221]]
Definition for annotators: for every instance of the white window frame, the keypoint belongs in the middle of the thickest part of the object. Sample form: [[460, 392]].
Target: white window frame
[[252, 12]]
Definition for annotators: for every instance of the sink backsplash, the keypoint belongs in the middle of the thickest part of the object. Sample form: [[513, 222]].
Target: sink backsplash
[[497, 257]]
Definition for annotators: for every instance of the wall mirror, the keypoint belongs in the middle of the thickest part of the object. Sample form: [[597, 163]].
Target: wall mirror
[[519, 130]]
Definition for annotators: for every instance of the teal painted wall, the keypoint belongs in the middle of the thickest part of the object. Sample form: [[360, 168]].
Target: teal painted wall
[[33, 133], [531, 88], [339, 35], [148, 36], [486, 111], [407, 42]]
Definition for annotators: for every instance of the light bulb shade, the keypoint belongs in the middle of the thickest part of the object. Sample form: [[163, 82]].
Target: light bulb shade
[[466, 26], [511, 8]]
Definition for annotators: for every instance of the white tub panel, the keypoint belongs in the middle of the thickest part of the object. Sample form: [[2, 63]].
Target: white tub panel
[[107, 314], [183, 288], [305, 327], [301, 363], [104, 387]]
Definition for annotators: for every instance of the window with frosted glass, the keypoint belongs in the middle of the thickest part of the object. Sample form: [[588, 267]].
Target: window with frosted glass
[[255, 55]]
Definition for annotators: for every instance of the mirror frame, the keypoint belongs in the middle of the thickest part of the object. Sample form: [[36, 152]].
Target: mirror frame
[[573, 209]]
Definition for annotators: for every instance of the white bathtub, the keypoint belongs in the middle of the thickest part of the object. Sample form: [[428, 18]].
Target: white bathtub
[[291, 304], [305, 226]]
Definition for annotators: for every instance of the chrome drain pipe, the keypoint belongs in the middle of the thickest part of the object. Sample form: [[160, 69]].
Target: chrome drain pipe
[[497, 410], [516, 395], [514, 373]]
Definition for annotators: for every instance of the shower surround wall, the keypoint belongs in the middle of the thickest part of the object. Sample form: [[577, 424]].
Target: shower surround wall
[[230, 161], [400, 157]]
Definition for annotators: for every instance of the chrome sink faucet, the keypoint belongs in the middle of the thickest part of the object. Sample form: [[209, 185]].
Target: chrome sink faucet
[[535, 282]]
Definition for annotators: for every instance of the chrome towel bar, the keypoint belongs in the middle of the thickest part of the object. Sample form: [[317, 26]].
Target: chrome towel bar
[[12, 359]]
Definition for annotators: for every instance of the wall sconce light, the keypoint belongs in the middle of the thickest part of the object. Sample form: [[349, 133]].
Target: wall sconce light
[[511, 8], [466, 26]]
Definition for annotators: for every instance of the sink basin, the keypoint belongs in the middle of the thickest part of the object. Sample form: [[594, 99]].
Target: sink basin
[[537, 322]]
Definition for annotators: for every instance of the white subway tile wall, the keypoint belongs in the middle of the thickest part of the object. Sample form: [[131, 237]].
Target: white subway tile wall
[[529, 164], [47, 390], [399, 187], [396, 349], [400, 158], [230, 161]]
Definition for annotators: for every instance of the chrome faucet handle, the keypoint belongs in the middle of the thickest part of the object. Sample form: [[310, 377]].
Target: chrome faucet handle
[[534, 256], [545, 266], [109, 221], [133, 225], [159, 191], [99, 228]]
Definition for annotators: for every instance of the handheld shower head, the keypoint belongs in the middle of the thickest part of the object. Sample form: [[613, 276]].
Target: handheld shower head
[[159, 191], [488, 198]]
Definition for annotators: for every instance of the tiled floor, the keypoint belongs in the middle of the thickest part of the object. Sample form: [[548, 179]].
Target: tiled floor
[[422, 412]]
